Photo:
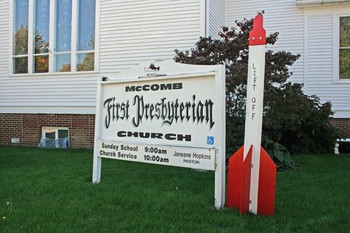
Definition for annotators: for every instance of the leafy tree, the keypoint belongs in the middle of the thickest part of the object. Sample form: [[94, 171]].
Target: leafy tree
[[41, 64], [21, 40], [21, 48], [291, 118], [88, 62], [42, 47], [65, 68]]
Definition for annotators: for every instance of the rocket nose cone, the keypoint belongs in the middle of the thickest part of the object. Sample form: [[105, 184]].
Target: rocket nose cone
[[257, 34], [258, 21]]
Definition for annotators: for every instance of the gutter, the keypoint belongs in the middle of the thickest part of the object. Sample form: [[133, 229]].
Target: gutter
[[314, 3]]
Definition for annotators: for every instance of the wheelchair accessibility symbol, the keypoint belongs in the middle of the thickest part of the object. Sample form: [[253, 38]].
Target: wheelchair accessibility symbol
[[210, 140]]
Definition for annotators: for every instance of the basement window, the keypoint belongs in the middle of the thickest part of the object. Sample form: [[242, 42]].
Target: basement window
[[54, 137]]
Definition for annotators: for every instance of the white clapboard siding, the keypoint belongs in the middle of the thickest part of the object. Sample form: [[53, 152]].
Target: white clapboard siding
[[320, 46], [216, 17], [48, 94], [4, 38], [133, 32], [281, 16], [40, 93], [129, 32], [310, 32]]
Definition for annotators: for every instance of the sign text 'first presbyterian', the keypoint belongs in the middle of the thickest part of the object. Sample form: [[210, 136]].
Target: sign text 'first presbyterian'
[[167, 110]]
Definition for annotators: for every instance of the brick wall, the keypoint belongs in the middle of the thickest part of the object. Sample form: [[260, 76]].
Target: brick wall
[[27, 127], [10, 127], [343, 125]]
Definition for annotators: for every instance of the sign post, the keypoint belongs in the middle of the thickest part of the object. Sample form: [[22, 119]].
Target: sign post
[[252, 173], [166, 114]]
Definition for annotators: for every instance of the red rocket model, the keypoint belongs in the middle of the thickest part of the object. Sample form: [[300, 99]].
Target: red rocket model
[[251, 172]]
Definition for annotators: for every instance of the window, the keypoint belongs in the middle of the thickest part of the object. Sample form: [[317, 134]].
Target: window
[[54, 137], [53, 36], [20, 58], [344, 47]]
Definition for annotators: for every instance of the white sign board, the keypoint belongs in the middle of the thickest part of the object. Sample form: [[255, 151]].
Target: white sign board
[[176, 117], [191, 157]]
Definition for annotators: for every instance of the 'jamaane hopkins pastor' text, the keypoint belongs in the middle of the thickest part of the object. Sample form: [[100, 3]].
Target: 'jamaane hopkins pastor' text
[[168, 111]]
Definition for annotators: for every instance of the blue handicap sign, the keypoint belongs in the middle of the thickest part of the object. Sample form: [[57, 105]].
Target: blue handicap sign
[[210, 140]]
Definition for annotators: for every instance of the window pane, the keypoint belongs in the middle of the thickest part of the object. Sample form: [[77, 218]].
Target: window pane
[[62, 63], [21, 27], [344, 32], [41, 64], [20, 65], [63, 26], [62, 133], [344, 63], [42, 19], [50, 133], [85, 62], [86, 25]]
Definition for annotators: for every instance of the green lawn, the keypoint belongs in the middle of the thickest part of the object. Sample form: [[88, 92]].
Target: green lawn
[[51, 191]]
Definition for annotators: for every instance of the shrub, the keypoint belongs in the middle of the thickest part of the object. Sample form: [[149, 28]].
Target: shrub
[[298, 122]]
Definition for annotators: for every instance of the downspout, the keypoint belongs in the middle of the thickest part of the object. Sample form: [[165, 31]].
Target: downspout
[[204, 18], [207, 14]]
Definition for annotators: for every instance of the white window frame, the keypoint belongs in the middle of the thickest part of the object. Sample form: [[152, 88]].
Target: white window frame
[[336, 48], [74, 38]]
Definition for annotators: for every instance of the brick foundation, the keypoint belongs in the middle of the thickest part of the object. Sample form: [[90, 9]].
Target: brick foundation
[[27, 127], [343, 125]]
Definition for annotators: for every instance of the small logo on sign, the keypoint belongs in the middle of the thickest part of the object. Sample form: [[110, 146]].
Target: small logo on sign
[[210, 140]]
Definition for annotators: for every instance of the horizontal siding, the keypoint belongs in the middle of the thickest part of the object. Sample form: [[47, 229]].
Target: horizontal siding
[[216, 17], [4, 38], [48, 94], [281, 16], [320, 73], [130, 32], [308, 32], [69, 93], [133, 32]]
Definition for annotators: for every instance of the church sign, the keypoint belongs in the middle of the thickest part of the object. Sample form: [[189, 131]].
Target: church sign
[[165, 113]]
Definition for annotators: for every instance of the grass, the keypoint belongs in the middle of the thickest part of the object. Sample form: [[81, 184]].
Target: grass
[[51, 191]]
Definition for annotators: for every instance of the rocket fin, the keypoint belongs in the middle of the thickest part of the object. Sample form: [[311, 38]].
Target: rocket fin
[[238, 180], [234, 179], [246, 176], [267, 184]]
